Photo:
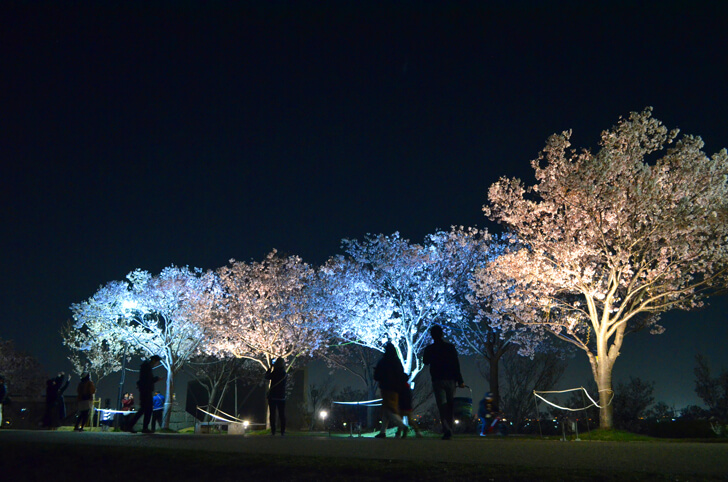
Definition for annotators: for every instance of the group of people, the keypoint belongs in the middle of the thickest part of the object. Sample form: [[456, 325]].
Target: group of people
[[55, 406], [394, 386], [396, 392]]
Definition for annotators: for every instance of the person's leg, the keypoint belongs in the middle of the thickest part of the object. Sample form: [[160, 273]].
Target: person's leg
[[82, 418], [450, 387], [272, 409], [438, 390], [282, 415]]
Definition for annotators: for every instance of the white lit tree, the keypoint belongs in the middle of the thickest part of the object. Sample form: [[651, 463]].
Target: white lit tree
[[390, 290], [265, 312], [153, 315], [613, 238]]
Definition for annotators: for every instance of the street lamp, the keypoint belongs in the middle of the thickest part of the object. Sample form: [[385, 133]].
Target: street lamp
[[323, 414]]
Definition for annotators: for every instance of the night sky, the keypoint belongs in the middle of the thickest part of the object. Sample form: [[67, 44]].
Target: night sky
[[189, 133]]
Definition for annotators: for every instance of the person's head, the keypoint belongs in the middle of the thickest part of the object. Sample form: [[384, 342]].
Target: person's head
[[436, 332], [85, 377], [280, 363], [390, 350], [155, 360]]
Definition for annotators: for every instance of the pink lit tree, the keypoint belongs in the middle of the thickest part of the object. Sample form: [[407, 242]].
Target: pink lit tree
[[612, 239], [265, 312]]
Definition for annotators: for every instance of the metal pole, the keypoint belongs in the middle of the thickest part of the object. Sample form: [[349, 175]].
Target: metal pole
[[117, 417]]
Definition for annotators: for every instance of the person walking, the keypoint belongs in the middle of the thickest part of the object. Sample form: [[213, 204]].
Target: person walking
[[446, 377], [277, 394], [390, 376], [406, 408], [146, 389], [85, 393], [157, 410]]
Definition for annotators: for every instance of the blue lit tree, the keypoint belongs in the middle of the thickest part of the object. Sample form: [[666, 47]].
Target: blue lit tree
[[387, 289], [153, 315]]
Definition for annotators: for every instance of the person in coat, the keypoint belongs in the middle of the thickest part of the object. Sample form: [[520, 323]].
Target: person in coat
[[446, 377], [277, 394], [85, 395], [146, 393], [157, 410], [390, 376]]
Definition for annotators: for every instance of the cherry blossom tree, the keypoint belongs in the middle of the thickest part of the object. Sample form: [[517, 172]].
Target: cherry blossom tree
[[390, 290], [99, 358], [24, 375], [613, 238], [154, 315], [482, 331], [265, 312]]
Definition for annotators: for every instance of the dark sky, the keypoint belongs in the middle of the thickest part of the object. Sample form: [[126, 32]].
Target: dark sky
[[189, 133]]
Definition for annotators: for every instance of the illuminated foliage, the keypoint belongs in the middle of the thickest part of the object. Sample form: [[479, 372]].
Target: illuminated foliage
[[389, 290], [612, 238], [150, 315], [23, 373], [265, 312]]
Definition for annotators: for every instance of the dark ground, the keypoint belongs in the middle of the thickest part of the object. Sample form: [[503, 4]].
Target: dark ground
[[43, 456]]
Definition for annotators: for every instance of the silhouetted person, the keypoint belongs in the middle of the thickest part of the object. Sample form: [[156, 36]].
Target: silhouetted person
[[55, 406], [277, 394], [85, 393], [445, 372], [146, 390], [405, 409], [390, 376]]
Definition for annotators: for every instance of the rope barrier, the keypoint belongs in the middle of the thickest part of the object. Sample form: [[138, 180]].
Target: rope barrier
[[593, 404], [365, 403]]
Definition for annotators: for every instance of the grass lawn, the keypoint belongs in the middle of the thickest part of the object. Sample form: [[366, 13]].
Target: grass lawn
[[40, 461]]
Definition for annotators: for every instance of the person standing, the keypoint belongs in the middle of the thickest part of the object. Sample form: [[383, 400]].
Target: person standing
[[277, 394], [146, 389], [85, 392], [157, 410], [390, 376], [55, 406], [446, 377]]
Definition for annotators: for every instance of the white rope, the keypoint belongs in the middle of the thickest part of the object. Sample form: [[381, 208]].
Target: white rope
[[108, 410], [593, 404], [366, 403], [218, 417], [235, 419]]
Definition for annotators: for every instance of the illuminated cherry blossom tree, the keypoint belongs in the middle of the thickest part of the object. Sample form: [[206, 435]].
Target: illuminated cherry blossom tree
[[153, 315], [613, 238], [265, 312], [24, 375], [482, 332], [390, 290]]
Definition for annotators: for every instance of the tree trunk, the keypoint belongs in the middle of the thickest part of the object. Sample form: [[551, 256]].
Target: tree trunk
[[211, 394], [602, 366], [168, 400], [494, 379]]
